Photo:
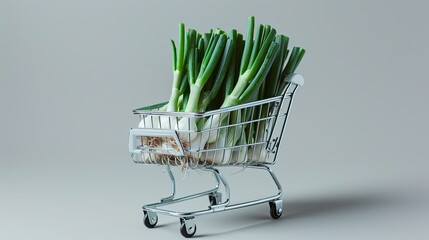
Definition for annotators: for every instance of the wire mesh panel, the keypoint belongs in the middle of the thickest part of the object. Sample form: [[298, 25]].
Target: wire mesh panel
[[241, 135]]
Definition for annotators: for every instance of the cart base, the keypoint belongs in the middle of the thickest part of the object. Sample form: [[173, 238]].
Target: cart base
[[187, 219]]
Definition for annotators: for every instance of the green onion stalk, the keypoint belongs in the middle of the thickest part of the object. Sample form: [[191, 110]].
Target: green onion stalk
[[199, 75], [179, 85], [275, 79], [257, 58], [179, 67]]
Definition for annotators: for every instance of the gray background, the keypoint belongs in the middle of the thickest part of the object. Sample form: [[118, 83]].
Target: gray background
[[353, 163]]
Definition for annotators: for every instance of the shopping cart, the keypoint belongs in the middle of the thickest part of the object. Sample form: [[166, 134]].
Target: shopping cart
[[165, 144]]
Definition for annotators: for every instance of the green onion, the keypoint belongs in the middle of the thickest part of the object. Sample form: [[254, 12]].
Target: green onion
[[215, 70], [211, 57], [179, 69]]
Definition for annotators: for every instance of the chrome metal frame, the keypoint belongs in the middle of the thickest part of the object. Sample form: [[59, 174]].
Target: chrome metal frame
[[279, 109], [223, 206]]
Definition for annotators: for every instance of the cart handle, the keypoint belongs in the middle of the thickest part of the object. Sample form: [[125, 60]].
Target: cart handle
[[295, 78], [136, 147]]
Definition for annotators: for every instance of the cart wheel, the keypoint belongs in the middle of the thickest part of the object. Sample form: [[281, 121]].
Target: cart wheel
[[276, 209], [187, 227], [215, 198], [150, 219]]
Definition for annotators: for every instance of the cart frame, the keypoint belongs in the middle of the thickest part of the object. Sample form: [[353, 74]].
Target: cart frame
[[270, 143]]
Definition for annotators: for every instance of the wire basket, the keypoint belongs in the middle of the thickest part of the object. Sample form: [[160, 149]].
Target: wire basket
[[161, 140]]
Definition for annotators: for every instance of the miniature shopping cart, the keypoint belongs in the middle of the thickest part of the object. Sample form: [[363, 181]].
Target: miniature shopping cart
[[165, 144]]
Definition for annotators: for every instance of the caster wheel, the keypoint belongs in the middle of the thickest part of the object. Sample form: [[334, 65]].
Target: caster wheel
[[187, 227], [215, 198], [150, 219], [276, 209]]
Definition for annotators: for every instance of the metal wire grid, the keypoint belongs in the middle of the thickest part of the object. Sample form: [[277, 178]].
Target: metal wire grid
[[256, 122]]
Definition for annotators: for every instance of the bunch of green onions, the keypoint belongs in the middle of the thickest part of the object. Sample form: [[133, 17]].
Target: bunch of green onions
[[217, 69]]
